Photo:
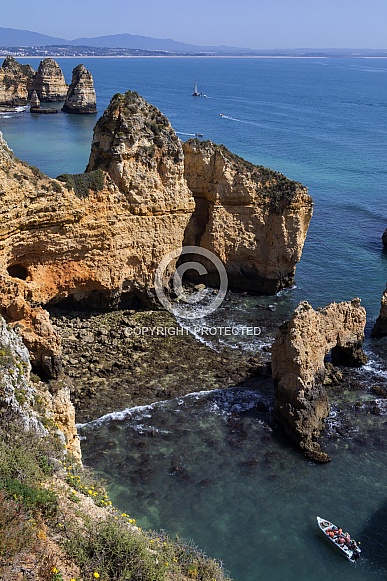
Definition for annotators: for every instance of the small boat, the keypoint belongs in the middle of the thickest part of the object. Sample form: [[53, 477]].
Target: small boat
[[222, 114], [342, 541], [198, 134], [196, 92]]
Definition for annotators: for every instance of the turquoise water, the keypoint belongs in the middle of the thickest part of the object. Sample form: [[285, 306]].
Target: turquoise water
[[319, 121], [212, 469]]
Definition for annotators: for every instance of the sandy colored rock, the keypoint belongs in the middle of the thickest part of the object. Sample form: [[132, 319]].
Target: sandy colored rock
[[49, 82], [35, 101], [15, 80], [254, 219], [298, 365], [81, 97], [96, 239], [380, 327]]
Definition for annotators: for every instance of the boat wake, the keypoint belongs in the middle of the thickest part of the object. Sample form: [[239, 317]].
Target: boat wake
[[244, 121]]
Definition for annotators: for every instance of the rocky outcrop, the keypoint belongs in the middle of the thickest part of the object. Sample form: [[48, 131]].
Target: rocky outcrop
[[254, 219], [16, 392], [298, 366], [81, 96], [35, 101], [49, 82], [97, 238], [18, 396], [384, 238], [380, 327], [15, 80]]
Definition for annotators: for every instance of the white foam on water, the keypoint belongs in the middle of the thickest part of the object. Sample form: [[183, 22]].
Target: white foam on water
[[141, 411], [374, 366]]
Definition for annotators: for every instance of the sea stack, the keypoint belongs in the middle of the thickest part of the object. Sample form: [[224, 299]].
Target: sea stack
[[35, 102], [15, 80], [81, 96], [49, 82], [298, 352]]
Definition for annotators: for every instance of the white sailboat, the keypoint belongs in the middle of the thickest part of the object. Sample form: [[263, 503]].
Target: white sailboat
[[195, 91]]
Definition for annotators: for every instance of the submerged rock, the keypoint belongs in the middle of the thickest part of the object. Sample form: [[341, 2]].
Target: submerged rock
[[298, 366], [81, 96]]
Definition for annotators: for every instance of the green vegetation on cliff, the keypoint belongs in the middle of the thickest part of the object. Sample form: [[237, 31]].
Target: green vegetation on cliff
[[56, 520]]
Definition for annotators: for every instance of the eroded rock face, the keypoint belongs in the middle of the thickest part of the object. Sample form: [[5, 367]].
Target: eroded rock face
[[18, 394], [298, 366], [254, 219], [81, 96], [97, 238], [15, 80], [49, 82], [102, 240], [380, 327]]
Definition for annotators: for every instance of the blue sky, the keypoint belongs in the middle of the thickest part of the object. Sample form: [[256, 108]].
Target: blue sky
[[245, 23]]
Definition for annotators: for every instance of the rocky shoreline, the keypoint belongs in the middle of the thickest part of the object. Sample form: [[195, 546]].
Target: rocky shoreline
[[109, 367]]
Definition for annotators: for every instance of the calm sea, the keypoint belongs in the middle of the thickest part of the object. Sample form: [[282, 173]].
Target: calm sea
[[247, 497]]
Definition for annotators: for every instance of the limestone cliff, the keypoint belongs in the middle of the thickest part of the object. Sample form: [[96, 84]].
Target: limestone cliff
[[15, 80], [49, 82], [298, 366], [254, 219], [81, 96], [97, 238], [18, 396], [101, 236], [380, 327]]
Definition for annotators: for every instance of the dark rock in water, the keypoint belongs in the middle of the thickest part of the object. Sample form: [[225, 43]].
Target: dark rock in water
[[379, 390], [81, 96], [380, 327], [179, 471], [384, 238], [317, 456], [43, 111], [250, 463], [205, 482]]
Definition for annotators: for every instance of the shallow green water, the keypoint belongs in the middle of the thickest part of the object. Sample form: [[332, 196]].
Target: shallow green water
[[209, 467]]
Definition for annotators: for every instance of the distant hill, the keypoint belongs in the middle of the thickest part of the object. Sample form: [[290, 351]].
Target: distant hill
[[12, 37], [35, 44]]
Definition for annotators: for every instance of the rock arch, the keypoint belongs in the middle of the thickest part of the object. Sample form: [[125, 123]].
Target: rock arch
[[298, 368]]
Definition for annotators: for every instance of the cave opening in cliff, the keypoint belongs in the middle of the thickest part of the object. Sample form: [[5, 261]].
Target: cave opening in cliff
[[18, 271], [96, 300]]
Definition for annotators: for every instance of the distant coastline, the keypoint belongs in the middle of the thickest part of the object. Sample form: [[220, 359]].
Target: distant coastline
[[192, 56]]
